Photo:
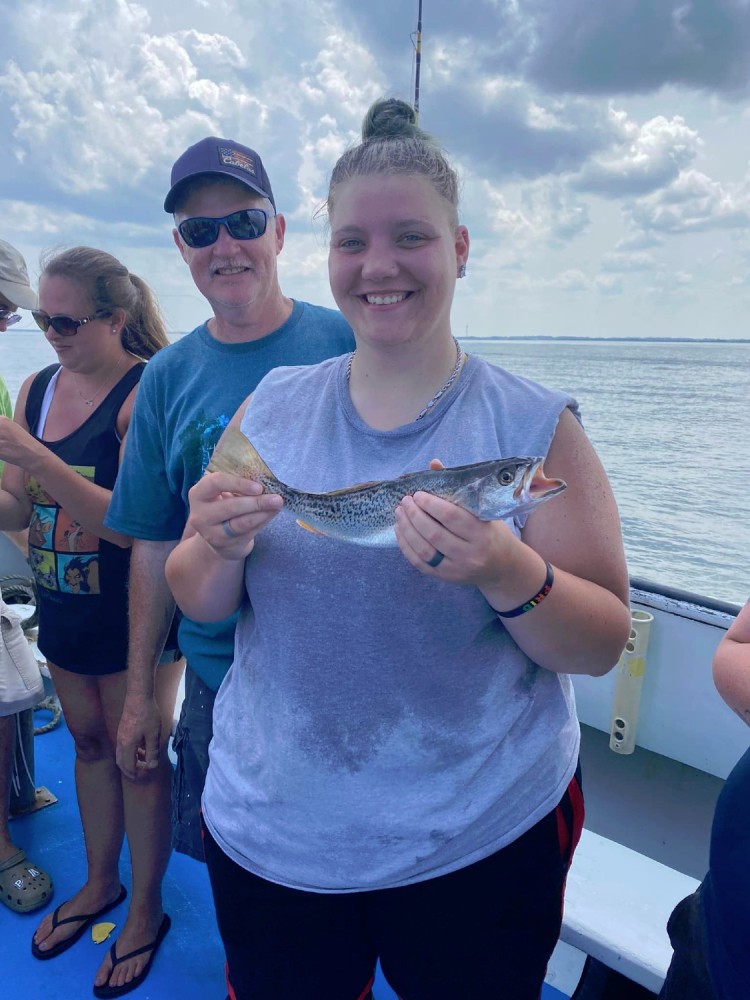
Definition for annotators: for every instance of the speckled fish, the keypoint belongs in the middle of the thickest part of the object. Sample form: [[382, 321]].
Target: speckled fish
[[365, 514]]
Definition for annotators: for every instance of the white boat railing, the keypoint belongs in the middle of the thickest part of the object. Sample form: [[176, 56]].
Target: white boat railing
[[681, 715]]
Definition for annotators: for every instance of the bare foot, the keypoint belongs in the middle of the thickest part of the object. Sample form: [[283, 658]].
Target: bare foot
[[140, 930], [86, 901]]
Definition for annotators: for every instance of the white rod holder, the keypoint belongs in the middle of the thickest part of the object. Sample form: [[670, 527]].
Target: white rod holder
[[631, 669]]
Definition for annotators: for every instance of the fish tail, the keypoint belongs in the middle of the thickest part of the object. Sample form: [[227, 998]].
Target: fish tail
[[236, 454]]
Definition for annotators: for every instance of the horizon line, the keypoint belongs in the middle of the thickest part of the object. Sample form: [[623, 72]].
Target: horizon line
[[660, 340]]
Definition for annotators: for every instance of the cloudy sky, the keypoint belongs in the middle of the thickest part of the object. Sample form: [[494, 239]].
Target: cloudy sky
[[603, 144]]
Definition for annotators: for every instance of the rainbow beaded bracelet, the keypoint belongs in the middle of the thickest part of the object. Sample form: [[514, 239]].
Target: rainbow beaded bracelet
[[536, 599]]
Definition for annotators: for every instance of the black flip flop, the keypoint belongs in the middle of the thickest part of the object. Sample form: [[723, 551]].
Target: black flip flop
[[86, 919], [106, 992]]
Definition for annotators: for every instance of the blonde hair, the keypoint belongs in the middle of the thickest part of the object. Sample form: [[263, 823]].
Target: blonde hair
[[110, 286], [392, 143]]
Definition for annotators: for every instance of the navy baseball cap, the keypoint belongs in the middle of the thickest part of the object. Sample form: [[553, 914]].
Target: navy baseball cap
[[221, 158]]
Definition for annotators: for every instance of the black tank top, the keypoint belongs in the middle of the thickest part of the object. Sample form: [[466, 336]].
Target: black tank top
[[81, 578]]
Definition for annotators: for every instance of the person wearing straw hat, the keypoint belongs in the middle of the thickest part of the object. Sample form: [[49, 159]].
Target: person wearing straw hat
[[23, 885], [15, 291], [15, 288]]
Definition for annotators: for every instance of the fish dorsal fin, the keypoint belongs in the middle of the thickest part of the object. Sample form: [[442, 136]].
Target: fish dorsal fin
[[352, 489], [235, 454], [309, 527]]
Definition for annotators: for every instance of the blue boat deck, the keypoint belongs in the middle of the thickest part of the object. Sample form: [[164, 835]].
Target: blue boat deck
[[189, 965]]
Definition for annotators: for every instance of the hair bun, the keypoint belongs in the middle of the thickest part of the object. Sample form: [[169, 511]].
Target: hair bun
[[390, 118], [394, 145]]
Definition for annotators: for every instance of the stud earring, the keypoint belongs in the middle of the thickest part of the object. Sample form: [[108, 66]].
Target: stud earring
[[462, 271]]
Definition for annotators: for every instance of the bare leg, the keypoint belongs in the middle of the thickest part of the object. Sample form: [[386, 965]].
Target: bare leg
[[99, 792], [148, 824], [7, 739], [26, 886]]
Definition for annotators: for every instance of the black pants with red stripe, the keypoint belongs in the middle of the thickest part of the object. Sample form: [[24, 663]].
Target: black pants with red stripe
[[484, 932]]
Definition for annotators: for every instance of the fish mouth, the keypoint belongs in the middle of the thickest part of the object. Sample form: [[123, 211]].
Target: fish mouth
[[535, 484]]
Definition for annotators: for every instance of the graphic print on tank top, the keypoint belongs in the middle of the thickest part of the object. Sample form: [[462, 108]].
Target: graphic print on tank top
[[62, 554]]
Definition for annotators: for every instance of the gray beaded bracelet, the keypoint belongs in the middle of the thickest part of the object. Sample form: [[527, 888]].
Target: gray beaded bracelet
[[536, 599]]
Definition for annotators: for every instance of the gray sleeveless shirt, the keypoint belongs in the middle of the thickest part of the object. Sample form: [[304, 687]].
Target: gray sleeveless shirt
[[379, 727]]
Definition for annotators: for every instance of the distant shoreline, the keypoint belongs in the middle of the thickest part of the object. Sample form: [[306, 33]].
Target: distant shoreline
[[535, 337], [627, 340]]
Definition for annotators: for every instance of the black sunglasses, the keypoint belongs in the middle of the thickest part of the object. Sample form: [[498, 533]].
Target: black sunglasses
[[247, 224], [8, 317], [63, 325]]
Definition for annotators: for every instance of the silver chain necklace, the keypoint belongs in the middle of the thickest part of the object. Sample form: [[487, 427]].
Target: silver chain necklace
[[441, 391], [107, 377]]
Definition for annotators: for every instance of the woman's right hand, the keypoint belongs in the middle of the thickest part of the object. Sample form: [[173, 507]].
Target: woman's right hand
[[18, 447], [228, 512]]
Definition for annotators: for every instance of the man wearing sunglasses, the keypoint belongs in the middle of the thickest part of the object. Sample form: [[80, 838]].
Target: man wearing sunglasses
[[23, 886], [229, 234]]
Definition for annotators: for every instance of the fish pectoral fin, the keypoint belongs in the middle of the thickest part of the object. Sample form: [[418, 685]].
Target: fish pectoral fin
[[309, 527]]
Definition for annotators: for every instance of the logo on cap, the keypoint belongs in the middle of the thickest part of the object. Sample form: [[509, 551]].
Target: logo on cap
[[235, 158]]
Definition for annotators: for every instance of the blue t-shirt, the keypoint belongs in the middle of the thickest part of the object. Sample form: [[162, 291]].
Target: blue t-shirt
[[189, 393]]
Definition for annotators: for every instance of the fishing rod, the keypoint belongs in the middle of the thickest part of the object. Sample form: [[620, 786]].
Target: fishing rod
[[418, 60]]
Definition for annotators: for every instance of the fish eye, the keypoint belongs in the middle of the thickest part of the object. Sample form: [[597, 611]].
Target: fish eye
[[506, 477]]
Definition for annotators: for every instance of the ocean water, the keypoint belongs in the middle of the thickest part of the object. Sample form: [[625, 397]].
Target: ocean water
[[670, 422]]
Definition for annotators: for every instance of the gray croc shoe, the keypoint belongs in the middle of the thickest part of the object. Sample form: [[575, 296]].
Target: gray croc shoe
[[23, 886]]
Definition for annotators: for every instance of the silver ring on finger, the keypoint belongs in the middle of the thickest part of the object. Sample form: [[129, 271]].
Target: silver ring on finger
[[228, 529], [436, 559]]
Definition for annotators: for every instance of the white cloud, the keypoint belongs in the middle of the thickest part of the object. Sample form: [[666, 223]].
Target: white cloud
[[344, 74], [509, 223], [609, 284], [572, 281], [684, 278], [214, 50], [580, 200], [621, 262], [693, 203], [26, 217], [649, 157], [559, 212], [639, 241], [166, 70]]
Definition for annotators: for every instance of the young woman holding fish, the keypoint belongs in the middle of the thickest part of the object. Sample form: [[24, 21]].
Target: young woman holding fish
[[393, 772]]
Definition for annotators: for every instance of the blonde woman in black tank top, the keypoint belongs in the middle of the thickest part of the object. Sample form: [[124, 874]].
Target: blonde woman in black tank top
[[62, 452]]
